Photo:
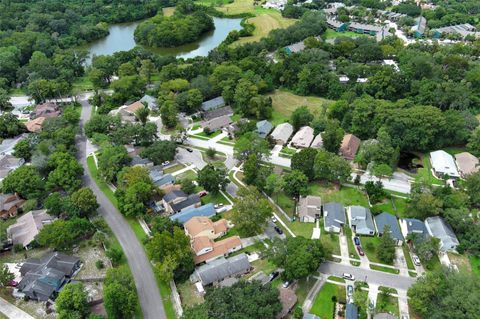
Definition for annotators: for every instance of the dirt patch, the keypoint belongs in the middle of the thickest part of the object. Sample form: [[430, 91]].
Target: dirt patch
[[460, 261]]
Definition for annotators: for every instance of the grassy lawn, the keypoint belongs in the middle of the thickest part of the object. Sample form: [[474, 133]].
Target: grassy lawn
[[433, 264], [285, 202], [388, 304], [346, 195], [188, 174], [425, 173], [369, 245], [215, 199], [408, 258], [289, 152], [394, 205], [323, 305], [173, 169], [264, 265], [100, 182], [475, 265], [168, 11], [352, 251], [331, 34], [82, 84], [264, 23], [166, 294], [208, 136], [336, 279], [285, 102], [330, 240], [385, 269], [461, 261], [188, 294], [302, 229], [303, 287]]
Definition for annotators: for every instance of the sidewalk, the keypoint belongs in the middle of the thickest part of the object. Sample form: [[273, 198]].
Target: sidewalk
[[12, 311]]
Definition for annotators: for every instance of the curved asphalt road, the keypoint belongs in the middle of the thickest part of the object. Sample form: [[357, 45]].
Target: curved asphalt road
[[148, 293]]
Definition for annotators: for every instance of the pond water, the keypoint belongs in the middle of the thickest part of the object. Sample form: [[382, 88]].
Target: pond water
[[121, 39], [409, 162]]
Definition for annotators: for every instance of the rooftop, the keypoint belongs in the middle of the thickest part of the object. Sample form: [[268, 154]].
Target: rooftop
[[443, 163]]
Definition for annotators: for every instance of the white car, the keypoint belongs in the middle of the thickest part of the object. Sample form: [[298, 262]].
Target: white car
[[286, 284], [165, 163], [416, 260], [348, 276], [274, 219]]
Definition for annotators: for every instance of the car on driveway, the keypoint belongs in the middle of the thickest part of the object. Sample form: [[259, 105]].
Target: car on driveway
[[202, 193], [360, 251], [278, 230], [273, 275], [356, 240], [416, 260], [348, 276], [274, 219], [189, 149], [286, 284], [349, 290]]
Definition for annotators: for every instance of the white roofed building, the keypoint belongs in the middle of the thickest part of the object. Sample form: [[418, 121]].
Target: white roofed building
[[443, 164]]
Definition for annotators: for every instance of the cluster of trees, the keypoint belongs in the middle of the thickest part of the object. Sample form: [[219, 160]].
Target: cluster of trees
[[242, 300], [10, 126], [72, 302], [212, 179], [187, 24], [119, 293], [452, 12], [251, 213]]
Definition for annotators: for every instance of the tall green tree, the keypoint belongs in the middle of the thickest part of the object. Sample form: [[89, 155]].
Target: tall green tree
[[333, 136], [72, 302], [212, 178], [119, 293], [251, 212], [295, 184], [26, 181], [85, 201], [304, 161], [386, 250], [301, 117]]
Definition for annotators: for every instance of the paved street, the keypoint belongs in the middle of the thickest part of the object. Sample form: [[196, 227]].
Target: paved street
[[149, 295], [399, 182], [187, 158], [372, 276]]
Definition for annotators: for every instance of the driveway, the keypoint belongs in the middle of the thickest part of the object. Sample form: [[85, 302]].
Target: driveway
[[403, 303], [344, 248], [140, 266], [12, 311], [195, 157], [400, 261], [371, 276], [232, 189]]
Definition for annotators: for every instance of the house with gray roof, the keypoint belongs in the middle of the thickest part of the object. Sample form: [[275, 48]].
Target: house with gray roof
[[177, 201], [7, 145], [438, 228], [295, 48], [220, 269], [264, 128], [28, 226], [213, 104], [333, 217], [142, 162], [44, 277], [9, 163], [150, 102], [184, 216], [282, 133], [159, 178], [419, 27], [219, 112], [217, 123], [309, 208], [412, 226], [361, 220], [384, 220]]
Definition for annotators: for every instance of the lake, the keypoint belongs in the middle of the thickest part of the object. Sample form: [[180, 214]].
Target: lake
[[121, 39]]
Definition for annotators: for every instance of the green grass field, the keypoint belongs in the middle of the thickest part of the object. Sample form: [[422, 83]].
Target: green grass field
[[387, 304], [285, 102], [345, 195], [475, 264], [323, 305], [408, 258], [425, 173], [352, 251], [396, 206], [331, 34], [385, 269], [264, 23], [370, 245]]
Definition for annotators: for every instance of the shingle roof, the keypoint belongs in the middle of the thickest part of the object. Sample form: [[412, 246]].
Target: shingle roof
[[159, 178], [295, 47], [288, 298], [334, 215], [443, 163], [28, 226], [304, 137], [438, 228], [35, 125], [206, 210], [263, 128], [467, 163], [317, 141], [222, 268], [218, 112], [415, 226], [282, 132], [213, 103], [150, 101], [349, 147], [217, 123], [384, 219], [362, 219], [168, 197], [220, 248], [199, 224], [192, 199], [309, 206]]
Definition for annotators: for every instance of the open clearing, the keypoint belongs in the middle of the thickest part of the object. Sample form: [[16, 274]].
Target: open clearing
[[168, 11], [284, 103], [264, 23]]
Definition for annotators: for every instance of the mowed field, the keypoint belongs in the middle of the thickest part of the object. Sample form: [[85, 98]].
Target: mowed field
[[285, 102], [168, 11]]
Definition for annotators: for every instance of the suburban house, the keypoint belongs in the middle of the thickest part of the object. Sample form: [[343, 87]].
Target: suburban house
[[309, 208], [464, 29], [443, 164], [35, 125], [141, 162], [361, 220], [219, 112], [343, 79], [47, 110], [217, 123], [43, 278], [385, 219], [419, 27], [351, 311], [467, 163], [349, 146], [207, 210], [288, 299], [317, 142], [177, 201], [413, 227], [213, 104], [282, 133], [23, 232], [206, 249], [294, 48], [127, 112], [220, 269], [9, 163], [303, 138], [159, 178], [150, 102], [9, 204], [391, 63], [264, 128], [203, 226], [333, 217], [438, 228]]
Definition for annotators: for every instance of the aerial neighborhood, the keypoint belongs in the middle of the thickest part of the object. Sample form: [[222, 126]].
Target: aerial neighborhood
[[240, 159]]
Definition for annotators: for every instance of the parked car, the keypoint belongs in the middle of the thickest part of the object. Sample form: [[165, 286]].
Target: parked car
[[278, 230], [189, 149], [286, 284], [273, 275], [165, 163], [202, 193], [356, 240], [416, 260], [360, 251], [274, 219], [349, 290], [348, 276], [12, 283]]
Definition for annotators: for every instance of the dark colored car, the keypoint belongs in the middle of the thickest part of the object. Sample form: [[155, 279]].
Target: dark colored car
[[189, 149], [203, 193], [360, 251], [278, 230], [356, 240], [273, 275]]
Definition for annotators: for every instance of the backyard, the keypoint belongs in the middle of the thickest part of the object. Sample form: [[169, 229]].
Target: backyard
[[387, 303], [323, 306], [345, 195]]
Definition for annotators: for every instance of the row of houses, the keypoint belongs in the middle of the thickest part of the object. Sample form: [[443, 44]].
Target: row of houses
[[464, 30], [362, 222], [379, 32], [460, 165]]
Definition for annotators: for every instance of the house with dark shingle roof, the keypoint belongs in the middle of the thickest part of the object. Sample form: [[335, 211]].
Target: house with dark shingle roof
[[264, 128], [309, 208], [438, 228], [412, 226], [349, 147], [159, 178], [219, 112], [361, 220], [177, 201], [220, 269], [217, 123], [385, 219], [334, 217], [213, 104]]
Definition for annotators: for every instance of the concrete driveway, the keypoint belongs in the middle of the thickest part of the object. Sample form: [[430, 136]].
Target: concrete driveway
[[195, 157]]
